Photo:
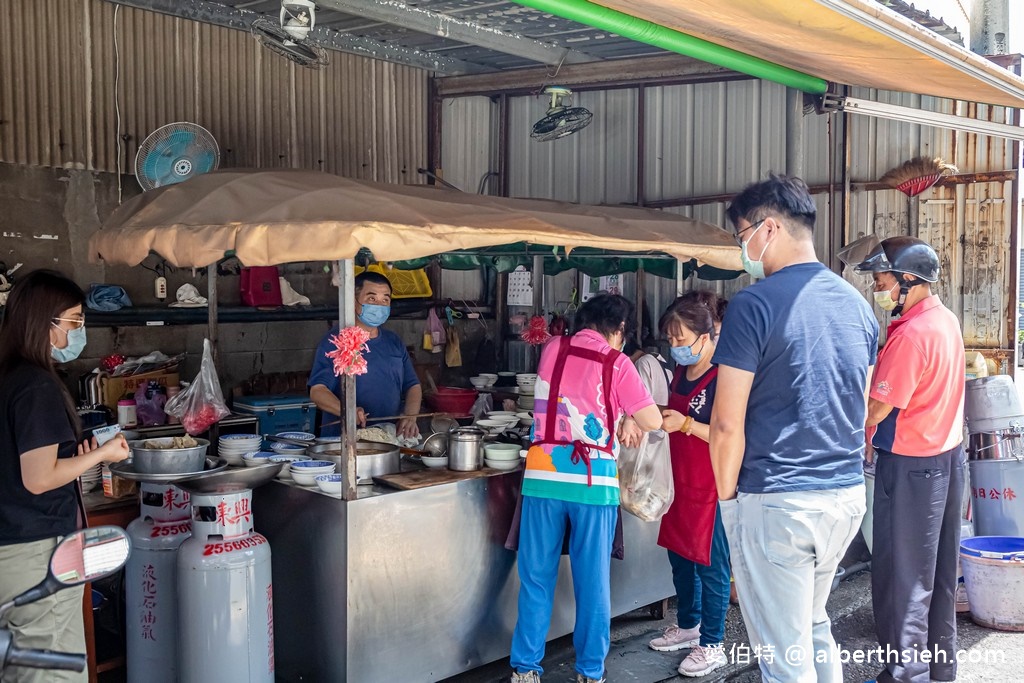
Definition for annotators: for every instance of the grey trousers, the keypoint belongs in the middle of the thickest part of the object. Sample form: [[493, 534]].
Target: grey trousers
[[913, 564], [53, 623]]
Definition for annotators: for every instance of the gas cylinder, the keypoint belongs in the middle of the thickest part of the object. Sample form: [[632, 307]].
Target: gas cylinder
[[151, 583], [225, 594]]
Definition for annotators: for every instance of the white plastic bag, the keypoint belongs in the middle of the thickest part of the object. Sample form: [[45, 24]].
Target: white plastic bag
[[645, 477]]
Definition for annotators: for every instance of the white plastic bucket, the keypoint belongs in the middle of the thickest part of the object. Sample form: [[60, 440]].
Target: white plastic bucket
[[994, 575]]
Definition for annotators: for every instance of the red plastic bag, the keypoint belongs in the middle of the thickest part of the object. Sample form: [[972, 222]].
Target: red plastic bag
[[201, 405]]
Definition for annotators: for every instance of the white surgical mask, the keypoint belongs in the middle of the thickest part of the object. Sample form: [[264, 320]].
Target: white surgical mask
[[754, 268]]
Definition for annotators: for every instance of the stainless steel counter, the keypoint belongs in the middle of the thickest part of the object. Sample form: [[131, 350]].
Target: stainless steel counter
[[414, 585]]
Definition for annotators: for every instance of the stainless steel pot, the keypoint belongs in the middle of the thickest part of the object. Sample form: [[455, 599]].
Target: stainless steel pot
[[372, 459], [465, 449]]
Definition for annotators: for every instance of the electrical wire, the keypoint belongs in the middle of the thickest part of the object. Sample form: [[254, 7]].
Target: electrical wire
[[117, 107]]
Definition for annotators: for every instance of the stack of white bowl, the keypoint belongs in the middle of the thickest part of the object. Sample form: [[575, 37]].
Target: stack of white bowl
[[232, 447], [501, 456], [286, 472], [258, 458], [526, 381], [91, 478], [506, 416], [290, 448], [305, 472], [483, 380]]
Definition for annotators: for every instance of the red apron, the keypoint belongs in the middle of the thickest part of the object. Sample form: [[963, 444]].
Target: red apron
[[580, 449], [687, 527]]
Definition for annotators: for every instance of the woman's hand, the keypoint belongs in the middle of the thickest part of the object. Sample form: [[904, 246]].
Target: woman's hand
[[114, 450], [630, 433], [672, 420]]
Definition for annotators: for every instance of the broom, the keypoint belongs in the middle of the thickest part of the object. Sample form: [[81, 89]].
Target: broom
[[917, 175]]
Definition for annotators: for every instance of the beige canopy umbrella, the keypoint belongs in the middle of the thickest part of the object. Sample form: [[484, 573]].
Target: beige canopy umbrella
[[269, 217]]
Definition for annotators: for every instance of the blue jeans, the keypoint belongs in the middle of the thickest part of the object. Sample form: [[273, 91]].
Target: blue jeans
[[541, 534], [703, 591]]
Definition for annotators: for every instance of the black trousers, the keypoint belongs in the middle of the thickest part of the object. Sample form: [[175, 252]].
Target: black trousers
[[913, 565]]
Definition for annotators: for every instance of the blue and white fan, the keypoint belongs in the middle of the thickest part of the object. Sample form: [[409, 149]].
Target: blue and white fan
[[174, 153]]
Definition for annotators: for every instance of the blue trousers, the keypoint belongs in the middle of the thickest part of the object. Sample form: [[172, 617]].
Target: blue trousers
[[541, 534], [703, 591]]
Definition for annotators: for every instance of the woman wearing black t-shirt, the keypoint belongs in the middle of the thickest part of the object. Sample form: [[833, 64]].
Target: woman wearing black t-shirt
[[40, 460], [692, 528]]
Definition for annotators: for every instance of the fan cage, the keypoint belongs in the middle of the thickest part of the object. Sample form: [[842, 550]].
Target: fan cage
[[184, 163], [561, 123], [305, 53]]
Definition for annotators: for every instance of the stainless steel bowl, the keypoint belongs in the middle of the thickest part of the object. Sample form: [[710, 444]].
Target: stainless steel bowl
[[168, 460]]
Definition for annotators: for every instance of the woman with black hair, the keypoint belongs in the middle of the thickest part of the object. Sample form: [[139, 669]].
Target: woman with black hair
[[692, 529], [585, 386], [39, 440]]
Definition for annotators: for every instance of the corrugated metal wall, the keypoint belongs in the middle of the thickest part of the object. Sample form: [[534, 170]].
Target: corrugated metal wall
[[969, 225], [358, 117], [715, 138]]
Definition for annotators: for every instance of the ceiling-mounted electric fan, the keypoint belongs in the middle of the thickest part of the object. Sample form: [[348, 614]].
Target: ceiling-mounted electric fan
[[174, 153], [562, 118], [289, 35]]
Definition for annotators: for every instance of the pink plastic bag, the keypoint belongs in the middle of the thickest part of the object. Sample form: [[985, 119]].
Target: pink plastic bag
[[201, 405]]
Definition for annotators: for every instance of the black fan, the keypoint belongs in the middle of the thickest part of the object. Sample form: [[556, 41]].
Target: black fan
[[562, 118], [275, 37]]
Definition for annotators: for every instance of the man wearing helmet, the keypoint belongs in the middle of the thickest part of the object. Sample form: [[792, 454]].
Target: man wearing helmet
[[916, 405]]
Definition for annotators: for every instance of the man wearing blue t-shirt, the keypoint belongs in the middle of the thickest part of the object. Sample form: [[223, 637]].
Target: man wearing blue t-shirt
[[787, 429], [390, 385]]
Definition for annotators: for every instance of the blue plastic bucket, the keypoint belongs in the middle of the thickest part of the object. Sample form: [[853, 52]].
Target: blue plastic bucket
[[994, 576]]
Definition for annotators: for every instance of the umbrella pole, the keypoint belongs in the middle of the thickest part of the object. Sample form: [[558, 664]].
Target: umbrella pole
[[347, 384]]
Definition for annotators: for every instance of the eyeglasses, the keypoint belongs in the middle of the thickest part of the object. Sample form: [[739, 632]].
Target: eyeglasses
[[752, 226], [78, 322]]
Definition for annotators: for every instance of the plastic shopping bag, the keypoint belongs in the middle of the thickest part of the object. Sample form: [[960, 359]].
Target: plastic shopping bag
[[645, 477], [201, 405]]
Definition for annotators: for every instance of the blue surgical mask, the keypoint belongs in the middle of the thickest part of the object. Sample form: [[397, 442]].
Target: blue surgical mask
[[684, 355], [754, 268], [76, 342], [374, 315]]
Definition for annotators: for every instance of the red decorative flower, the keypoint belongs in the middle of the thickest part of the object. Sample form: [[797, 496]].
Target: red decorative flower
[[536, 332], [349, 346]]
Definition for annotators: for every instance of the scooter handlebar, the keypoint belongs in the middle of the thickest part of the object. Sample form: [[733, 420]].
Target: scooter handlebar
[[45, 659]]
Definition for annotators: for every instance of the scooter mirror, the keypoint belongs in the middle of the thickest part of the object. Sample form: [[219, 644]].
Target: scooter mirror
[[89, 554], [83, 556]]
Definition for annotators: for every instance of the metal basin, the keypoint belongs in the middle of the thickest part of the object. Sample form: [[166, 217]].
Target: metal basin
[[372, 459], [168, 460]]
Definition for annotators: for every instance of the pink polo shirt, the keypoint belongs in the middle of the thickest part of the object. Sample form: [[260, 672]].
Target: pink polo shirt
[[920, 372]]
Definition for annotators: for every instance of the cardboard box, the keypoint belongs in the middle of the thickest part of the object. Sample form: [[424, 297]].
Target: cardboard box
[[114, 388]]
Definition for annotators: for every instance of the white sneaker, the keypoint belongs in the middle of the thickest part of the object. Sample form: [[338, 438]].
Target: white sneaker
[[580, 678], [676, 638], [527, 677], [703, 659]]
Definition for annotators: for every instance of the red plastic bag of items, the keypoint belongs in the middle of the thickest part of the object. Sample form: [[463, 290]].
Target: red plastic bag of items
[[201, 405]]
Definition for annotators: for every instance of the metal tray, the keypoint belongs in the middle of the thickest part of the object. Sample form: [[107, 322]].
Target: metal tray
[[126, 470], [230, 480]]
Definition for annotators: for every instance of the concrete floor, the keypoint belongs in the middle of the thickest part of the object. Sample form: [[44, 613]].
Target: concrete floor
[[993, 656]]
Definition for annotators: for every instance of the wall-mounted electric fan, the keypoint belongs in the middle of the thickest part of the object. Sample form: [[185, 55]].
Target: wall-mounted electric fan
[[174, 153]]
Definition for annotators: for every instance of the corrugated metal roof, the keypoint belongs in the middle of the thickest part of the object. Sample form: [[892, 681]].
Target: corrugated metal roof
[[506, 16]]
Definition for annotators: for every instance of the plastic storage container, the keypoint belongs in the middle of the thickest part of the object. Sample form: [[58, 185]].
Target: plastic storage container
[[279, 413]]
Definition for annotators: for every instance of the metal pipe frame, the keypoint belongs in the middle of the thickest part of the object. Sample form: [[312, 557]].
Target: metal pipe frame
[[421, 20]]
